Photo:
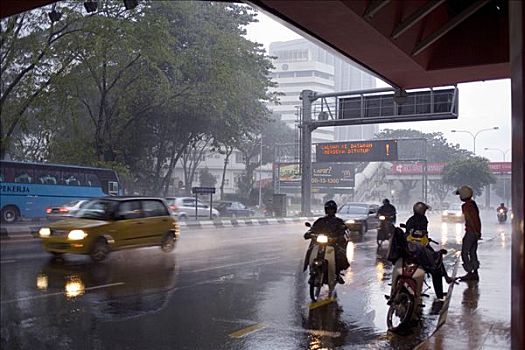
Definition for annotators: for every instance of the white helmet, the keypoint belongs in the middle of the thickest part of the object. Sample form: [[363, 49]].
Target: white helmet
[[464, 192]]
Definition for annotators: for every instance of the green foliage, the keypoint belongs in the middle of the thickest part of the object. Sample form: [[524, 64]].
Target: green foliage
[[206, 178], [132, 89], [473, 172]]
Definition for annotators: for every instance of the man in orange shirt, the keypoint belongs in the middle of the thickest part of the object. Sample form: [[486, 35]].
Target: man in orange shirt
[[469, 244]]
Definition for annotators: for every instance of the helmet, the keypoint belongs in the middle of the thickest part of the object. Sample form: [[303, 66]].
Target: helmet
[[502, 204], [386, 201], [464, 192], [420, 208], [330, 207]]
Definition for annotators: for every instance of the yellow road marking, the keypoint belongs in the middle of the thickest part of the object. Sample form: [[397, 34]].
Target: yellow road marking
[[320, 303], [248, 330]]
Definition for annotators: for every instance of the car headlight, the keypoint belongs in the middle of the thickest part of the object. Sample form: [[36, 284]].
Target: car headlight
[[459, 214], [322, 239], [350, 221], [382, 217], [445, 212], [44, 232], [76, 235]]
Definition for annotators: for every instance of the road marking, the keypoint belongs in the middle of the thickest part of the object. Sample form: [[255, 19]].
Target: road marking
[[7, 261], [238, 264], [248, 330], [41, 296], [320, 303]]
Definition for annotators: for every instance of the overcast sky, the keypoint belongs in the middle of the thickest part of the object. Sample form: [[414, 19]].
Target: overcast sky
[[481, 104]]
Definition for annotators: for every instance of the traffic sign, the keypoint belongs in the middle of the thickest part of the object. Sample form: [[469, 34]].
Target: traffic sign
[[203, 190], [357, 151]]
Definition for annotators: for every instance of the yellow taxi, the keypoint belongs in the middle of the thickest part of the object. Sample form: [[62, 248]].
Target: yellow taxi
[[107, 224]]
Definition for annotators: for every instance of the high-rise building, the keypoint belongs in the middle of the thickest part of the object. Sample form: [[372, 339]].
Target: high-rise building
[[302, 65]]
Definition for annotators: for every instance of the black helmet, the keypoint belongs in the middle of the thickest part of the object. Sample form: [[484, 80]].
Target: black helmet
[[330, 207], [502, 204], [386, 201], [420, 208]]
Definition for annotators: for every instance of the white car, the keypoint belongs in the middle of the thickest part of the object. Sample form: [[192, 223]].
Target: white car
[[65, 210], [453, 214], [184, 208]]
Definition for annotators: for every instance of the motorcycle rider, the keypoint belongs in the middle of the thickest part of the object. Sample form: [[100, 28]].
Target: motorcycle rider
[[388, 210], [502, 207], [429, 259], [333, 227]]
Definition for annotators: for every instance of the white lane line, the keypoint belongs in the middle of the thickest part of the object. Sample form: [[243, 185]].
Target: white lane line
[[41, 296], [251, 262], [7, 261]]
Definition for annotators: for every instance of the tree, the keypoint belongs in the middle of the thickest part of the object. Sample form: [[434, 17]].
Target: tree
[[440, 190], [275, 131], [34, 52], [206, 178], [473, 172]]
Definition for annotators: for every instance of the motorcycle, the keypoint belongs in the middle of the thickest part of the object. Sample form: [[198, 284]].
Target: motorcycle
[[408, 276], [320, 258], [385, 230], [502, 216]]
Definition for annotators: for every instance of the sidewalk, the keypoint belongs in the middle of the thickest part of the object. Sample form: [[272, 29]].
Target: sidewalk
[[479, 312]]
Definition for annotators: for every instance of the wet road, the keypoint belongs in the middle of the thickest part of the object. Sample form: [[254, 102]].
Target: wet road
[[227, 288]]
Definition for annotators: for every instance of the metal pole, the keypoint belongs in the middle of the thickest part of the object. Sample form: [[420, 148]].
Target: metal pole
[[211, 205], [260, 174], [307, 96]]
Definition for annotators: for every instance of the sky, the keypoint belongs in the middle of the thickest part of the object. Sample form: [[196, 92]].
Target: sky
[[482, 105]]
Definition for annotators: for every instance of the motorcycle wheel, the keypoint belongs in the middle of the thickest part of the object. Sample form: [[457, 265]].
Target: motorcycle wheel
[[400, 311], [315, 287]]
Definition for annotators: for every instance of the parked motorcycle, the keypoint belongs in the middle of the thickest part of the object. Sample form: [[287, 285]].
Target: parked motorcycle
[[385, 230], [320, 258], [502, 216]]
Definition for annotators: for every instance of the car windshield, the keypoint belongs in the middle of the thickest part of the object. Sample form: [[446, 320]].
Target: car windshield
[[72, 203], [354, 209], [96, 209]]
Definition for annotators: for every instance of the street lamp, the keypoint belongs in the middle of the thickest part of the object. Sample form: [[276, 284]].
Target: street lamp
[[503, 153], [476, 134]]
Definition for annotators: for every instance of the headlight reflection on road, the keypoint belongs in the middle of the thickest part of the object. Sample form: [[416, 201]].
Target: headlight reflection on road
[[503, 239], [444, 233], [380, 270], [41, 281], [74, 287], [350, 252], [459, 232]]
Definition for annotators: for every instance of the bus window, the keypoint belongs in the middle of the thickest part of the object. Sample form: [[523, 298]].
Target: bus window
[[23, 177], [72, 179], [92, 180], [6, 174], [47, 177]]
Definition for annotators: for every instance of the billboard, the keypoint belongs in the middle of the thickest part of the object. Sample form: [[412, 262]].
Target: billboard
[[323, 175], [436, 168], [357, 151]]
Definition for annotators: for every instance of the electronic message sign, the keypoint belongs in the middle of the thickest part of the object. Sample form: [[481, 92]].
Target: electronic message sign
[[357, 151], [323, 175]]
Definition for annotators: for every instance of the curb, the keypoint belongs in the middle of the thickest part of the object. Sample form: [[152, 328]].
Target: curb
[[20, 232]]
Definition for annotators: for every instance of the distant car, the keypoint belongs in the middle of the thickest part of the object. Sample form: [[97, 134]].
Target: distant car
[[65, 210], [233, 209], [359, 217], [107, 224], [453, 214], [184, 207]]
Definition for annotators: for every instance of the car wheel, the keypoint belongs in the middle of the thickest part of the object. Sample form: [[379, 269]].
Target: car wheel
[[100, 250], [168, 242], [214, 216], [10, 214], [182, 217]]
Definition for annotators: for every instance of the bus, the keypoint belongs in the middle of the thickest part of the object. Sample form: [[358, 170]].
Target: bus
[[27, 189]]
